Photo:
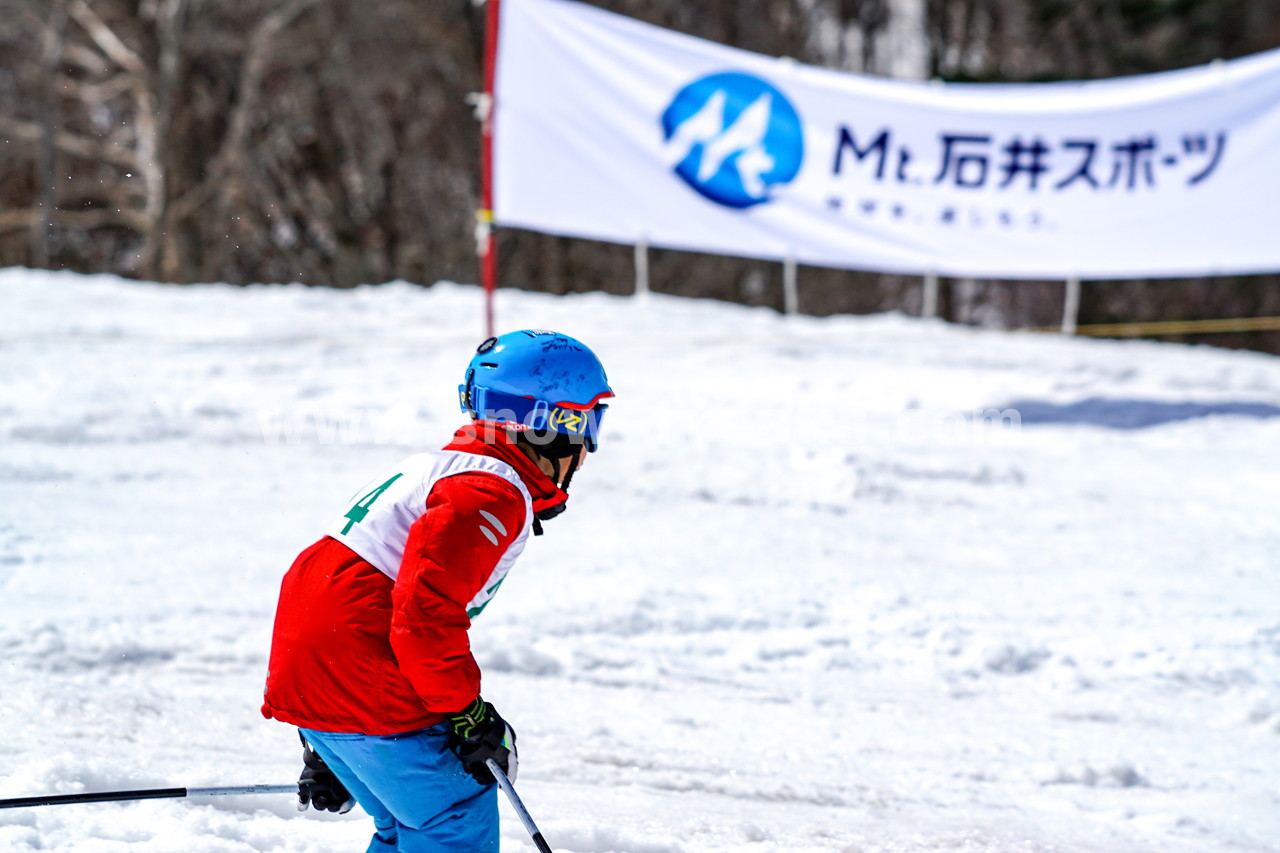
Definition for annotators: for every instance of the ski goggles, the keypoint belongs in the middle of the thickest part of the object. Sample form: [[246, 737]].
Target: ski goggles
[[527, 414]]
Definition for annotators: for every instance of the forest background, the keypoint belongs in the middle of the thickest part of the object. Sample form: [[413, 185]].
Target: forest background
[[332, 142]]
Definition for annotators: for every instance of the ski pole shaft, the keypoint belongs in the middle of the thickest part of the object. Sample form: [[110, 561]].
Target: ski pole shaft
[[505, 784], [146, 794]]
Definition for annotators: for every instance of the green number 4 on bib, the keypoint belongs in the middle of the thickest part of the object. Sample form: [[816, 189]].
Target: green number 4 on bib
[[356, 514]]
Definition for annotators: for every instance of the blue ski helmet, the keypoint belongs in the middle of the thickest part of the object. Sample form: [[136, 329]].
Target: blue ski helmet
[[535, 380]]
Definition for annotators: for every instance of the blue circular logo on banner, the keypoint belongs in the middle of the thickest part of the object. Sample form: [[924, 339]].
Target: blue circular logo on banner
[[733, 137]]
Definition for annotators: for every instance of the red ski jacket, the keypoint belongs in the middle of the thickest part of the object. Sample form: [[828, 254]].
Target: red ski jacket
[[377, 642]]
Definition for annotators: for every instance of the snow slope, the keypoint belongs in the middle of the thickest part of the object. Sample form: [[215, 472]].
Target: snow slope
[[819, 591]]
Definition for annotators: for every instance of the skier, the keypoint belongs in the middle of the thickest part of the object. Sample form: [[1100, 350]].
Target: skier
[[370, 655]]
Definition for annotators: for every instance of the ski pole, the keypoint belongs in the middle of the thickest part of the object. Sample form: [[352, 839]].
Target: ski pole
[[147, 794], [505, 784]]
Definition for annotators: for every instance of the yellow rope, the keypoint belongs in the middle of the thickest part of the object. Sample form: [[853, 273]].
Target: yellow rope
[[1173, 327]]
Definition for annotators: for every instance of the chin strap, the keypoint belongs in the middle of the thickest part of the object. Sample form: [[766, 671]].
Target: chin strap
[[551, 512], [568, 475]]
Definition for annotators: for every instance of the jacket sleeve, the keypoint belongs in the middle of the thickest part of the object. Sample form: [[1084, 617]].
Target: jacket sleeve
[[451, 552]]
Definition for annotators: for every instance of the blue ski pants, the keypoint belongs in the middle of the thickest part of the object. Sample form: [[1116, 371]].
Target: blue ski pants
[[414, 788]]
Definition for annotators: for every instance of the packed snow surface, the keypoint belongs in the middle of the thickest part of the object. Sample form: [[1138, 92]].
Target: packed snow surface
[[822, 589]]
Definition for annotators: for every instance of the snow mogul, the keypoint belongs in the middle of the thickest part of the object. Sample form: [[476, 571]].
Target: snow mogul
[[370, 655]]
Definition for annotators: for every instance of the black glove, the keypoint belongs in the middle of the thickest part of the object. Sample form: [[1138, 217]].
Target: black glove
[[319, 786], [479, 733]]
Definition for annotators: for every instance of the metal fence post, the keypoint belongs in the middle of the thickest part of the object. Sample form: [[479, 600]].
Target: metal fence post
[[1071, 306], [929, 306], [642, 267], [790, 292]]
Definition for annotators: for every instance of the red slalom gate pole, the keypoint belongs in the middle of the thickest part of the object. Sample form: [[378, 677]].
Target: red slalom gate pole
[[484, 216]]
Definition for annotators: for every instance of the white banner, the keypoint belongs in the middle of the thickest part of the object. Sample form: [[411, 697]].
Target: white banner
[[611, 129]]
